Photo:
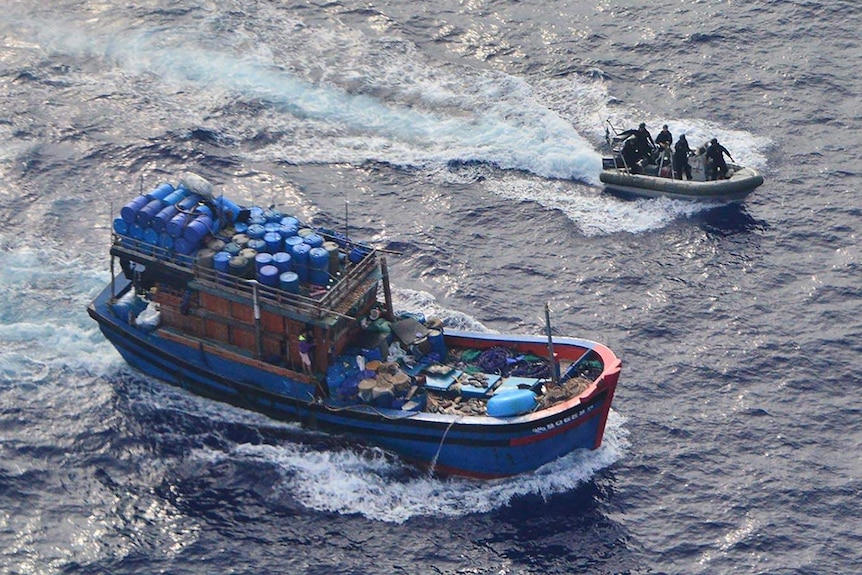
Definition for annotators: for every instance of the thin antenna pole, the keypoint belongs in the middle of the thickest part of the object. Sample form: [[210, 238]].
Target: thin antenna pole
[[552, 363]]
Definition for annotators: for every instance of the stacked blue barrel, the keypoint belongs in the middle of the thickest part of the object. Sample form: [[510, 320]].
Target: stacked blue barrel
[[176, 220], [266, 245]]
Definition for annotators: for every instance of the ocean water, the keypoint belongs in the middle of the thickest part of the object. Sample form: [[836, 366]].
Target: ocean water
[[467, 137]]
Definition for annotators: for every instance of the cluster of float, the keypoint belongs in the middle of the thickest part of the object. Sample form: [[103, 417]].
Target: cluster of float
[[188, 224]]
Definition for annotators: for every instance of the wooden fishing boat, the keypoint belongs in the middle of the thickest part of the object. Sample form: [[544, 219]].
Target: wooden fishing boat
[[474, 404]]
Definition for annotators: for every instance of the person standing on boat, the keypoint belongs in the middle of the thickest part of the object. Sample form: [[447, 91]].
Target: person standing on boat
[[644, 144], [716, 153], [681, 152], [664, 137], [305, 347]]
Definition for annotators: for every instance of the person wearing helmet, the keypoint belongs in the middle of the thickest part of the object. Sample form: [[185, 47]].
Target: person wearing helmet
[[715, 153]]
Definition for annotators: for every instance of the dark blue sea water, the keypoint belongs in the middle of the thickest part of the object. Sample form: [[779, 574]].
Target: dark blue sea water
[[467, 136]]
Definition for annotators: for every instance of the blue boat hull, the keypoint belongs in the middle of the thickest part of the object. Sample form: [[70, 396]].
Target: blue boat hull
[[473, 446]]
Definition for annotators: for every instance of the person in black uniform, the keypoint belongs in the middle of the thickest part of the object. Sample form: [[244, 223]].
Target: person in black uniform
[[681, 152], [664, 137], [644, 144], [715, 153]]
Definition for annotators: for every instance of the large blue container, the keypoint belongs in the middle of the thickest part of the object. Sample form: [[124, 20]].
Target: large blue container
[[256, 219], [151, 236], [240, 227], [261, 260], [286, 231], [282, 261], [289, 282], [148, 212], [314, 240], [271, 227], [299, 253], [166, 241], [291, 241], [318, 277], [161, 191], [273, 242], [268, 276], [129, 212], [256, 231], [161, 219], [290, 221], [227, 210], [176, 196], [511, 402], [438, 345], [177, 224], [184, 246], [272, 215], [136, 231], [198, 229], [120, 226], [189, 203], [318, 259], [357, 254], [221, 262]]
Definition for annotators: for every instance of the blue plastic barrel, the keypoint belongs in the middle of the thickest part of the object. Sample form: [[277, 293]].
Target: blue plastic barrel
[[256, 231], [272, 215], [176, 196], [227, 210], [291, 241], [271, 227], [221, 261], [290, 221], [261, 260], [198, 229], [240, 227], [151, 236], [282, 261], [438, 345], [286, 231], [161, 191], [289, 282], [148, 212], [256, 219], [189, 203], [161, 219], [176, 224], [314, 240], [184, 246], [273, 242], [205, 210], [136, 231], [318, 277], [357, 254], [129, 212], [166, 241], [511, 402], [268, 276], [299, 253], [318, 259], [120, 226]]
